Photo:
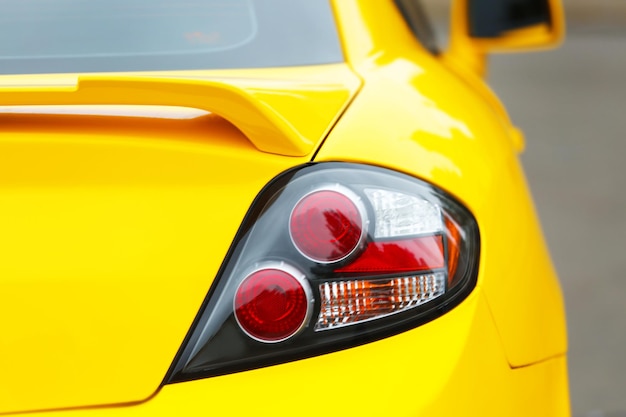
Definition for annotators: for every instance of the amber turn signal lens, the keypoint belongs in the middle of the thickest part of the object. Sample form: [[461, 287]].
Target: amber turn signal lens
[[453, 242]]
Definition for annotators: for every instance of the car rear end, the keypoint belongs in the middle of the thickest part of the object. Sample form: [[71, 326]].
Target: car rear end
[[345, 232]]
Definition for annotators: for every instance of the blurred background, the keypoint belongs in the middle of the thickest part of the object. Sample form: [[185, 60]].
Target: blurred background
[[571, 104]]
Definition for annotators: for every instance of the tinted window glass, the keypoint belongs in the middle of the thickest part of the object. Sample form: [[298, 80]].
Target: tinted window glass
[[38, 36], [416, 17]]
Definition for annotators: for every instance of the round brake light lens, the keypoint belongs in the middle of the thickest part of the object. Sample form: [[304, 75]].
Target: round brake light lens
[[273, 304], [328, 225]]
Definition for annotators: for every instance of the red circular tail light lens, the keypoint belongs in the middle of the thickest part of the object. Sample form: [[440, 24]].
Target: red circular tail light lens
[[272, 304], [328, 225]]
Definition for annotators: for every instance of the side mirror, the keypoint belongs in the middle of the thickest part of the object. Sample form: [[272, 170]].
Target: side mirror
[[479, 27]]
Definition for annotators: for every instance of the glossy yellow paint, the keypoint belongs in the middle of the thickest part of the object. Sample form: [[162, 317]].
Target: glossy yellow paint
[[112, 232], [114, 227], [464, 373], [445, 131], [287, 117]]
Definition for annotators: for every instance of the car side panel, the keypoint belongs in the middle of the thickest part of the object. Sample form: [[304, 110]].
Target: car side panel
[[415, 116]]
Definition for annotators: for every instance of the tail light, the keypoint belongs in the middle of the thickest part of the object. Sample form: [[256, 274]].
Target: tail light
[[331, 256]]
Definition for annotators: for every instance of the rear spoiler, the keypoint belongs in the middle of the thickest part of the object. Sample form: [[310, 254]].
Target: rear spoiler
[[280, 117]]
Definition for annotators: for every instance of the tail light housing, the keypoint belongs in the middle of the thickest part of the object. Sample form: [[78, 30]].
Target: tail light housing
[[331, 256]]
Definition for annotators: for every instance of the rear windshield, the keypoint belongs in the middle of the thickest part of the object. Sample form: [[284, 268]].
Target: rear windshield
[[52, 36]]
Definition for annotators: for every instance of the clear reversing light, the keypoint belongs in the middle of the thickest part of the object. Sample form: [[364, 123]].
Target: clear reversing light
[[399, 214], [356, 301], [330, 256]]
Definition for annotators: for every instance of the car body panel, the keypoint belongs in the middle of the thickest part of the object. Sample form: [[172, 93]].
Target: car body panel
[[419, 378], [445, 131], [112, 233], [114, 227]]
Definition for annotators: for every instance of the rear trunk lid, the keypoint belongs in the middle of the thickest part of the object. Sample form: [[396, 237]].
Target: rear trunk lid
[[115, 220]]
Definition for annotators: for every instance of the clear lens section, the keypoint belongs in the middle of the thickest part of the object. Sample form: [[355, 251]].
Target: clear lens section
[[349, 302], [399, 214]]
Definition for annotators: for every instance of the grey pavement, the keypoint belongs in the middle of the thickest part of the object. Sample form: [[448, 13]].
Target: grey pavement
[[571, 103]]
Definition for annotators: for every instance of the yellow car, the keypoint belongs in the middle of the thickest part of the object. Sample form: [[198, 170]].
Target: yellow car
[[269, 208]]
